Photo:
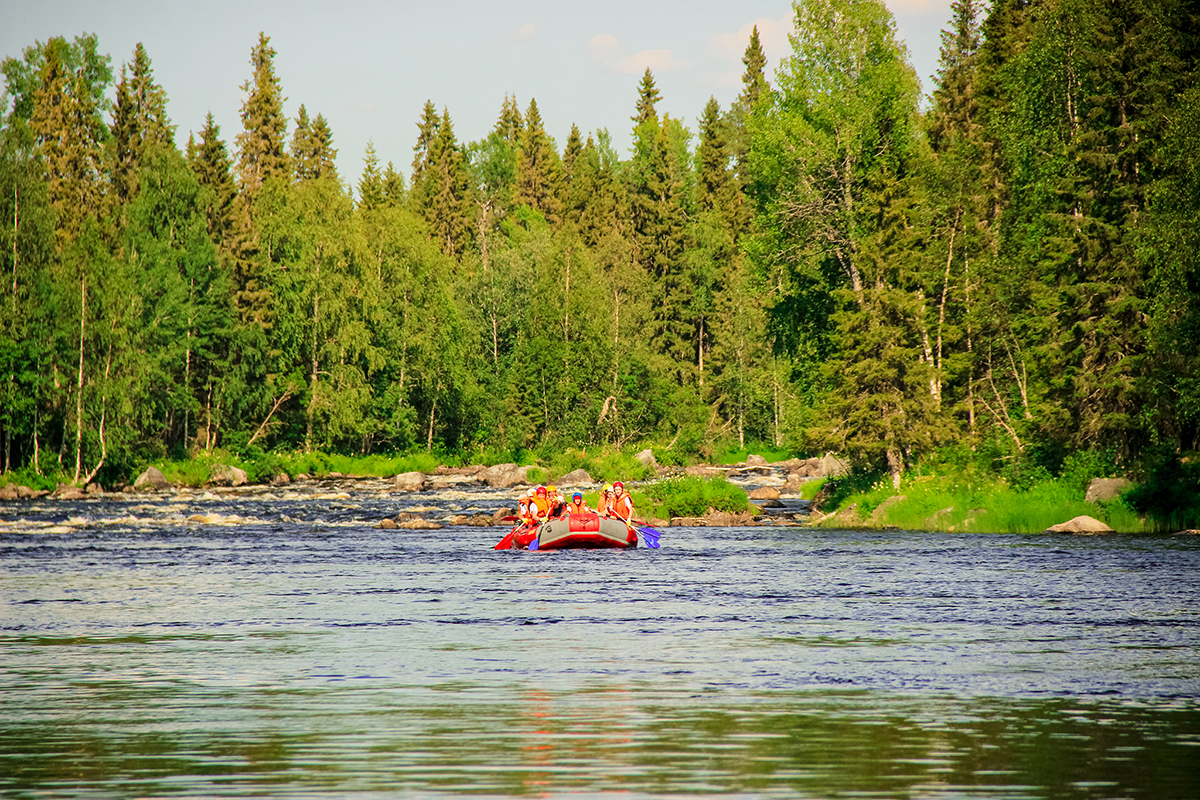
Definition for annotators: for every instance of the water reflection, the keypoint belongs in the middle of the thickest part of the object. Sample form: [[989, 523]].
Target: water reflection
[[302, 653], [609, 740]]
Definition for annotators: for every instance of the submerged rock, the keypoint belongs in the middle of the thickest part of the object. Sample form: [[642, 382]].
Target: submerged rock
[[419, 525]]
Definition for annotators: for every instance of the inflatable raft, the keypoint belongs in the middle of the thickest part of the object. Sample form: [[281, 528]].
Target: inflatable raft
[[583, 531]]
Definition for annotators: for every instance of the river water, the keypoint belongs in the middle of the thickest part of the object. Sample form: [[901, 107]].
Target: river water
[[280, 645]]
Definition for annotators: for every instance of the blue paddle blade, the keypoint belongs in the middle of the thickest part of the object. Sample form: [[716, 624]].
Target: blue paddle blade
[[650, 537], [533, 545]]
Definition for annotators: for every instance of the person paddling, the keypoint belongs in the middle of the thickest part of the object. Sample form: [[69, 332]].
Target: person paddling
[[605, 501], [622, 503], [539, 506]]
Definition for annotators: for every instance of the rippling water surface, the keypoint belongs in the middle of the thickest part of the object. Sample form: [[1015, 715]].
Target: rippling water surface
[[281, 646]]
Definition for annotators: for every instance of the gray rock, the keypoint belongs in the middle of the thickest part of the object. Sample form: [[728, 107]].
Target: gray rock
[[579, 477], [225, 475], [8, 492], [1081, 524], [764, 493], [410, 482], [420, 525], [940, 518], [152, 478], [753, 460], [833, 467], [880, 510], [504, 476], [1101, 490], [647, 457]]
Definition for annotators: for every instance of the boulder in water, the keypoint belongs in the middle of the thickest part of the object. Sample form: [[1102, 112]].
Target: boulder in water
[[152, 479], [225, 475], [577, 477], [410, 482], [504, 476], [1081, 524]]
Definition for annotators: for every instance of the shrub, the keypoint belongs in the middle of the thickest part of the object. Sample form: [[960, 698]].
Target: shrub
[[692, 496]]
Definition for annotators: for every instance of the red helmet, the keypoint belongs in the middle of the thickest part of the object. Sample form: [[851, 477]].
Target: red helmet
[[618, 485], [541, 490]]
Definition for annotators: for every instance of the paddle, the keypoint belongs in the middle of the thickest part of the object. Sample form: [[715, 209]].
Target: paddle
[[649, 536], [506, 542]]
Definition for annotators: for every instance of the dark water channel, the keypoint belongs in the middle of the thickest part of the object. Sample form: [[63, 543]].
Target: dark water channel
[[284, 647]]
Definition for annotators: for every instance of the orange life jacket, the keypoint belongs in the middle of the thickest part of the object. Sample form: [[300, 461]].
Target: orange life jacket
[[602, 506], [539, 508], [622, 506], [577, 508]]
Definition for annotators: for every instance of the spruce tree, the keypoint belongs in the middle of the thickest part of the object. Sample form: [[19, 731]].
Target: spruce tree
[[139, 121], [69, 134], [537, 168], [445, 191], [214, 170], [261, 158], [648, 98], [261, 143], [393, 187], [427, 131], [370, 185], [510, 126]]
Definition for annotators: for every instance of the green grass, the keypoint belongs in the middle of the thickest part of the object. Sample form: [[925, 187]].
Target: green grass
[[738, 456], [691, 496], [968, 502], [603, 465]]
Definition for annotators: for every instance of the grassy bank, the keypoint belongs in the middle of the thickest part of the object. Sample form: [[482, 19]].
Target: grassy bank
[[967, 502]]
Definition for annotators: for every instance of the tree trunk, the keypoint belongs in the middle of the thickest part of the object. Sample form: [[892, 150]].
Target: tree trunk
[[79, 385], [315, 374], [895, 466], [432, 416]]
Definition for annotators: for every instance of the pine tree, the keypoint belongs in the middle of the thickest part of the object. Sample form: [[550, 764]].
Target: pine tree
[[754, 87], [714, 184]]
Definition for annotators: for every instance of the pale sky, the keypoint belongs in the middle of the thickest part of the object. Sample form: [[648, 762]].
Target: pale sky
[[370, 65]]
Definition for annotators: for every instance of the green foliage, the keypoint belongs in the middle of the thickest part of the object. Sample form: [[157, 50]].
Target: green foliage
[[692, 496], [604, 465], [1013, 273]]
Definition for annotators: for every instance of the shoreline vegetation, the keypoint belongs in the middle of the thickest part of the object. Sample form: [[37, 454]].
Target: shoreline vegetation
[[820, 492], [981, 301]]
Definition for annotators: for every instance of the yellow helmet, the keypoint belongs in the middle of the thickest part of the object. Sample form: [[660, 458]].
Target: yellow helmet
[[553, 489], [608, 489]]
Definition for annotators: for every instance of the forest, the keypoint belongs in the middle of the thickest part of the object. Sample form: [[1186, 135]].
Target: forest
[[1008, 268]]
